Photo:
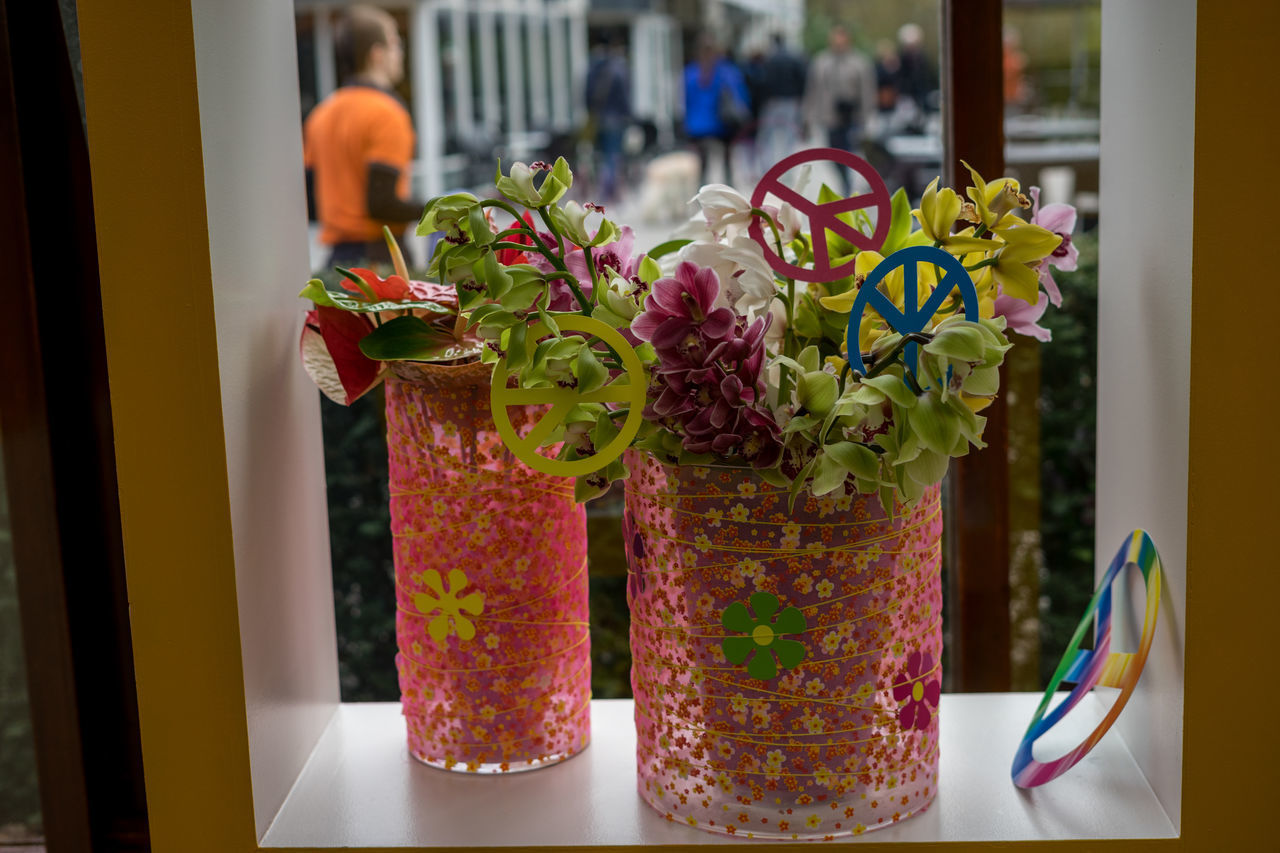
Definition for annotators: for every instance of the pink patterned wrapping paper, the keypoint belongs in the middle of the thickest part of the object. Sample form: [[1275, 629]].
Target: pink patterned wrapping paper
[[838, 606], [491, 584]]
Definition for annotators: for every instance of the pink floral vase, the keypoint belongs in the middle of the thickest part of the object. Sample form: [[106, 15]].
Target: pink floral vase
[[786, 665], [491, 583]]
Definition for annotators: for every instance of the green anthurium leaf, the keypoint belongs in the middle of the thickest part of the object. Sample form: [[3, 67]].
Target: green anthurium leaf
[[763, 604], [590, 372], [899, 223], [790, 652], [828, 476], [736, 618], [934, 424], [928, 468], [663, 249], [762, 666], [961, 342], [412, 339], [857, 459]]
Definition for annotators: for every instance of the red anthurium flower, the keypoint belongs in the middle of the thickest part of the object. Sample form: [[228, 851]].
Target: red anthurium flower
[[507, 257], [391, 289], [330, 348]]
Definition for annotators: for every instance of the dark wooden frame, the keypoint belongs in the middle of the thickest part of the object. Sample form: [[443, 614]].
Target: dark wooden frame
[[55, 417], [978, 544]]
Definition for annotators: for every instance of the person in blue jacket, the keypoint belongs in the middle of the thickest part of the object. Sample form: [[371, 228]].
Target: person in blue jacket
[[716, 104]]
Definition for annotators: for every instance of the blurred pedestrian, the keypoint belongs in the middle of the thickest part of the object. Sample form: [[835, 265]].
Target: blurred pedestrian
[[609, 111], [716, 106], [840, 95], [917, 78], [358, 144], [1017, 86], [781, 93], [887, 67]]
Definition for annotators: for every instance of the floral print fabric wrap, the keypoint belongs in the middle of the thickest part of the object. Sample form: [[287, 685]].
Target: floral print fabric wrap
[[785, 664], [491, 584]]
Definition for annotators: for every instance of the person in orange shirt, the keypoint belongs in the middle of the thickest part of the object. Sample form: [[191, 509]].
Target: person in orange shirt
[[358, 144]]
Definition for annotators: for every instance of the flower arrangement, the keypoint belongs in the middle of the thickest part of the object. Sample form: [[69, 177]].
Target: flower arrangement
[[744, 366]]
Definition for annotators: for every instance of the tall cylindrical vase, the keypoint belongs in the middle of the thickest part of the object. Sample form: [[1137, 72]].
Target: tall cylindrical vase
[[786, 663], [491, 583]]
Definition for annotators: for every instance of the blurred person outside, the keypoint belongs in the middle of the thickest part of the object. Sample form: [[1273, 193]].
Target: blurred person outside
[[609, 112], [358, 144], [781, 93], [716, 106], [917, 78], [887, 67], [840, 96], [1017, 86]]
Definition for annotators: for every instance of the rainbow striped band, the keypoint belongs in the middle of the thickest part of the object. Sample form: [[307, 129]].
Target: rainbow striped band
[[1086, 668]]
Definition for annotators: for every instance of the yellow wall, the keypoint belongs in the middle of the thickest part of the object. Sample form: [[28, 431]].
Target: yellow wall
[[158, 310]]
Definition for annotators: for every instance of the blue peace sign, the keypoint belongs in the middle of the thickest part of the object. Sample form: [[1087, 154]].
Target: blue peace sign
[[914, 317]]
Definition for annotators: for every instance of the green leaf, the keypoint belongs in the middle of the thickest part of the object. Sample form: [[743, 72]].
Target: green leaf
[[899, 223], [857, 459], [666, 248], [412, 339]]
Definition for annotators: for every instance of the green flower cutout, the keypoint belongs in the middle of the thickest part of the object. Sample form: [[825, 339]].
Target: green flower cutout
[[449, 605], [763, 638]]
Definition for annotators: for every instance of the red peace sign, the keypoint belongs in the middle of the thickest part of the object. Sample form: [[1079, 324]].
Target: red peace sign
[[822, 217]]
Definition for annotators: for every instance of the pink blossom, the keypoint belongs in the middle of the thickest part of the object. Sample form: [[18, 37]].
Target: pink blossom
[[1061, 220], [1022, 317]]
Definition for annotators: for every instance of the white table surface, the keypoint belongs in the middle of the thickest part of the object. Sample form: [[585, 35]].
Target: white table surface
[[361, 788]]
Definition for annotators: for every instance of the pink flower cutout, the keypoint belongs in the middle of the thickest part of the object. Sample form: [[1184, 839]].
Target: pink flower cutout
[[920, 699]]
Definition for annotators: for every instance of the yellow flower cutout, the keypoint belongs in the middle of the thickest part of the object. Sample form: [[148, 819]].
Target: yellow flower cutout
[[450, 607]]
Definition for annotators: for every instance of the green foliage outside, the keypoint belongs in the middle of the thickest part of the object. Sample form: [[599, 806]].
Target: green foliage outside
[[1068, 438]]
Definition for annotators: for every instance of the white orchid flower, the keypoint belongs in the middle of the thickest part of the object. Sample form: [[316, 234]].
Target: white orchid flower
[[724, 208], [747, 284]]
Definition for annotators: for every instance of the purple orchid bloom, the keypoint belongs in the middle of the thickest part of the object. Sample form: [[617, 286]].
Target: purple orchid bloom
[[707, 386], [1061, 220]]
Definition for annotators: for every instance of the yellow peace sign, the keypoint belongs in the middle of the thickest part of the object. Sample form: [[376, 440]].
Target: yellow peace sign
[[629, 389]]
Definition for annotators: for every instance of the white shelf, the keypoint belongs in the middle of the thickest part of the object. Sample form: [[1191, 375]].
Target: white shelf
[[360, 788]]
